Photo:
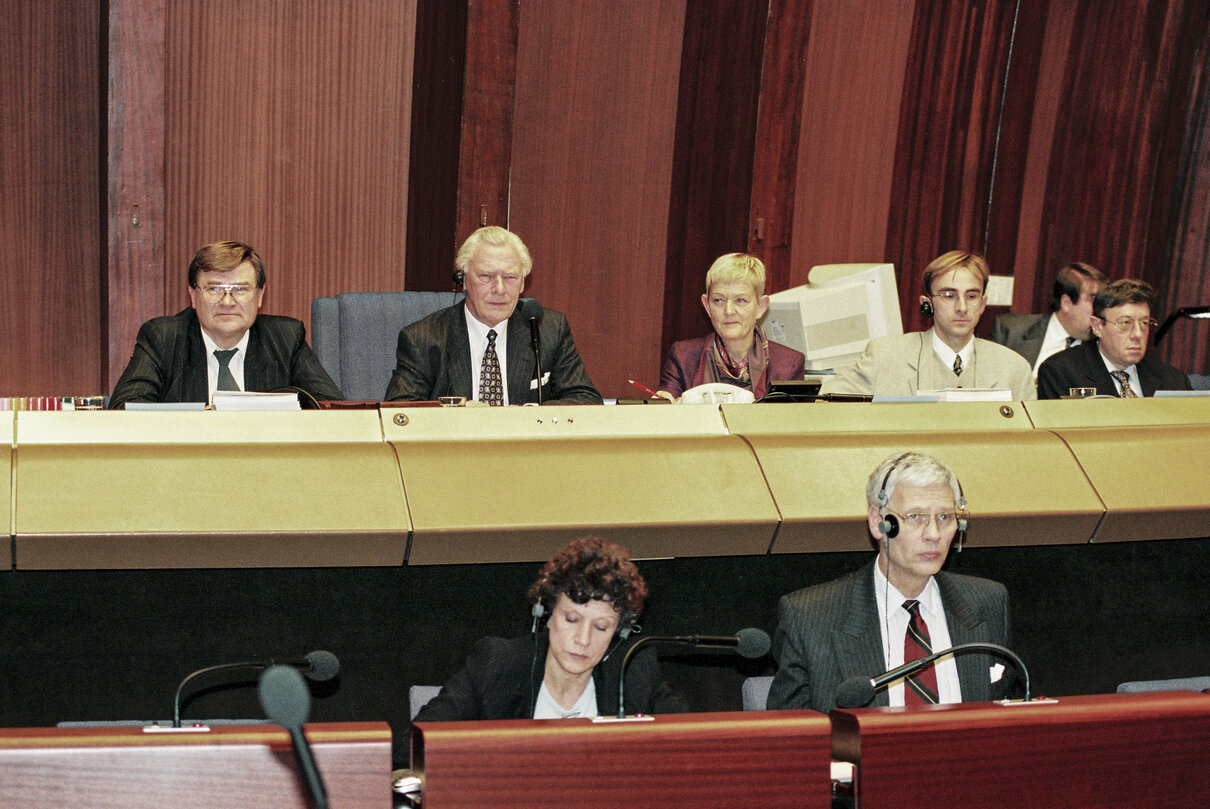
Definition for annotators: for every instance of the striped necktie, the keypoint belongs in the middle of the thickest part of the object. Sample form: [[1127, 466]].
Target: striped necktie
[[921, 687], [491, 388]]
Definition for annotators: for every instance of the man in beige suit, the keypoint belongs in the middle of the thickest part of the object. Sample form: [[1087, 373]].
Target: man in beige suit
[[948, 355]]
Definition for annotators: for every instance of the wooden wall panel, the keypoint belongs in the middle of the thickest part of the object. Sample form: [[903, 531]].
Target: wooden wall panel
[[592, 158], [946, 138], [135, 176], [437, 80], [712, 170], [1104, 185], [288, 127], [846, 150], [775, 152], [50, 198]]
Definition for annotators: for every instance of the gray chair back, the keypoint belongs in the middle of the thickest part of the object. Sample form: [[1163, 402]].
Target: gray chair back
[[1179, 684], [419, 696], [354, 335], [755, 692]]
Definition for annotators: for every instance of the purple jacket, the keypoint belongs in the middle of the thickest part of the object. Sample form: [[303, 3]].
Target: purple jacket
[[689, 359]]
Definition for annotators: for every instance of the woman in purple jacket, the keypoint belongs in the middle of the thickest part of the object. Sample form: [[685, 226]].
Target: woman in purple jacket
[[737, 353]]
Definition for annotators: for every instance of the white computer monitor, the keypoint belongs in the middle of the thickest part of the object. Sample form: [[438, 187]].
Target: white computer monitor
[[832, 317]]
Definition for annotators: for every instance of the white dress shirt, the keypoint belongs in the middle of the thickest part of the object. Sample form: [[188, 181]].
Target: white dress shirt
[[235, 366], [476, 332], [894, 625]]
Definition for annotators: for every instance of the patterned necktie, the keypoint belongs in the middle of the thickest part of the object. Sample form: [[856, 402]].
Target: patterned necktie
[[491, 389], [1123, 379], [957, 365], [921, 687], [225, 380]]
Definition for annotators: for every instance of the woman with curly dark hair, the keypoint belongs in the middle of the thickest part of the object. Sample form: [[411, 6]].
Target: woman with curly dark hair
[[585, 601]]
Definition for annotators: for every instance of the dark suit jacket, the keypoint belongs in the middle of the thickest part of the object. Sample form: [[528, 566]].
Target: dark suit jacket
[[501, 679], [1022, 333], [688, 359], [830, 632], [433, 359], [1082, 367], [169, 361]]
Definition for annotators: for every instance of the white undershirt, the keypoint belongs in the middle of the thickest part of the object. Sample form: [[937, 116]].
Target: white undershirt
[[476, 333], [1054, 341], [235, 366], [895, 626], [547, 708]]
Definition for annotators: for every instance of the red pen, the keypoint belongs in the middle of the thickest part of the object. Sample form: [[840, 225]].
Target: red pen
[[642, 387]]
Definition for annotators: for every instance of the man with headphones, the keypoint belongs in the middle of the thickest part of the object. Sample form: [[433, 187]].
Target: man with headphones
[[880, 616], [948, 355], [484, 348]]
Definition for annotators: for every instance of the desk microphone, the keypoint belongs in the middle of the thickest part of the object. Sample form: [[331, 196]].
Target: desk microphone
[[287, 702], [319, 666], [750, 642], [531, 310], [856, 692]]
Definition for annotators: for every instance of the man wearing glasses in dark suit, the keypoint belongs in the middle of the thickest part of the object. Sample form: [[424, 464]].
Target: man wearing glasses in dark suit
[[220, 342], [1116, 363]]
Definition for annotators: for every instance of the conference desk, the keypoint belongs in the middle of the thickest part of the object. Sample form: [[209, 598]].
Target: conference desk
[[1109, 751], [762, 760], [222, 767], [389, 487]]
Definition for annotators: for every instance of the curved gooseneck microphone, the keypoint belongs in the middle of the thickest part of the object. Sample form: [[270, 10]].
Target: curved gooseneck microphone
[[287, 702], [750, 642], [531, 310], [856, 692], [319, 666]]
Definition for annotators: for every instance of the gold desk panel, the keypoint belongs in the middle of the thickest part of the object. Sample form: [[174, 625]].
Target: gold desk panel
[[1022, 486], [664, 480], [1148, 458], [205, 489]]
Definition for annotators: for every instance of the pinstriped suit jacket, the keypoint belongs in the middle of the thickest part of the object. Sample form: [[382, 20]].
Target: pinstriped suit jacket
[[829, 633], [433, 358]]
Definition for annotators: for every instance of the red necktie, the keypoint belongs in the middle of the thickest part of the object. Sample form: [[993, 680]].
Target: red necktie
[[921, 687]]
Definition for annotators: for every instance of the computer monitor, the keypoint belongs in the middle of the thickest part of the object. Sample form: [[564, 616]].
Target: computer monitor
[[832, 317]]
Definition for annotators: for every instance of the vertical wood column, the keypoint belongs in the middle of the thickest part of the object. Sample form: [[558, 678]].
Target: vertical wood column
[[485, 162], [135, 216]]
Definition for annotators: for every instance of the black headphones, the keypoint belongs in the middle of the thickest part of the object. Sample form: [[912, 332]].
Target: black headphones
[[539, 611], [888, 525], [459, 277], [926, 307]]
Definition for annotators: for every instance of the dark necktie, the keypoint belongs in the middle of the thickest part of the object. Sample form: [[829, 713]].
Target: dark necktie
[[1070, 341], [225, 380], [491, 388], [957, 365], [1123, 379], [921, 687]]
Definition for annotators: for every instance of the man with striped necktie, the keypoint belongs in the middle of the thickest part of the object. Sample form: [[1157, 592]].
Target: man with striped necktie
[[897, 606], [1116, 363]]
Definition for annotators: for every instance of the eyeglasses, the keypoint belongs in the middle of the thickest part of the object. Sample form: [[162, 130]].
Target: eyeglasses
[[951, 296], [213, 293], [918, 522], [1127, 324], [488, 279]]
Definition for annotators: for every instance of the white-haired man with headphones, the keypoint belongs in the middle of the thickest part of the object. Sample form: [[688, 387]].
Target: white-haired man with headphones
[[898, 607]]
